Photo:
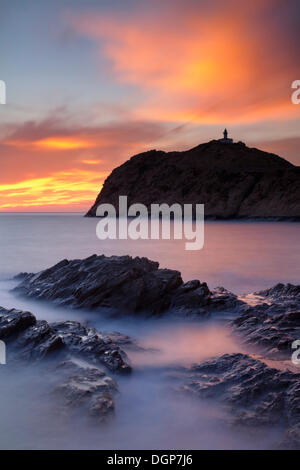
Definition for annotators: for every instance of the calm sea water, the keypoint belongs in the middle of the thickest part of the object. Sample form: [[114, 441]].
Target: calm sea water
[[241, 256]]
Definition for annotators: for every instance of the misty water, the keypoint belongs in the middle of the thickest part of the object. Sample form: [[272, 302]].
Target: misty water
[[241, 256]]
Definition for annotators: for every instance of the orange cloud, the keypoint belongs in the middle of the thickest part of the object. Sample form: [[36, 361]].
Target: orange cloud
[[63, 143], [91, 162], [210, 62], [204, 62], [54, 143], [43, 172], [74, 189]]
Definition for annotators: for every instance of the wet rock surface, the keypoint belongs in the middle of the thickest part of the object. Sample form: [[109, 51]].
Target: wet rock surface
[[274, 323], [284, 295], [33, 338], [91, 344], [30, 341], [255, 395], [124, 285], [14, 321], [84, 386]]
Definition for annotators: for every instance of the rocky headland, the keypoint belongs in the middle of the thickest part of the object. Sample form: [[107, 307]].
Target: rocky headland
[[232, 180]]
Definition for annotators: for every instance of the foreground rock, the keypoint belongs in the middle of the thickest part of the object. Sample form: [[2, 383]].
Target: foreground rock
[[288, 295], [274, 323], [77, 352], [232, 180], [125, 285], [83, 386], [256, 395], [35, 339]]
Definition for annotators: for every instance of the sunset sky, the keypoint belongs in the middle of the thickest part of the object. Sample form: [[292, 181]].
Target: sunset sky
[[90, 83]]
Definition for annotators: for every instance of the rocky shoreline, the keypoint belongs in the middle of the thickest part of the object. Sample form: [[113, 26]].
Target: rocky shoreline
[[73, 353], [255, 394], [125, 285]]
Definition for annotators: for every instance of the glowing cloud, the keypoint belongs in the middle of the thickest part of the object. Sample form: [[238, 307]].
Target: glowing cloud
[[201, 61], [63, 143], [54, 143], [73, 189], [91, 162], [165, 68], [43, 172]]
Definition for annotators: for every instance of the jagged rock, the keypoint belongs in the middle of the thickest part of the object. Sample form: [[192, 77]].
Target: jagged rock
[[194, 298], [32, 339], [89, 343], [222, 299], [122, 340], [286, 294], [291, 439], [256, 395], [125, 285], [114, 282], [87, 387], [38, 341], [20, 276], [274, 323], [14, 321], [232, 180], [79, 349]]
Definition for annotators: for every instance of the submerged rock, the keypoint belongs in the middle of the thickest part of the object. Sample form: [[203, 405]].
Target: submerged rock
[[91, 344], [125, 285], [85, 386], [256, 395], [29, 341], [38, 341], [31, 338], [282, 292], [14, 321]]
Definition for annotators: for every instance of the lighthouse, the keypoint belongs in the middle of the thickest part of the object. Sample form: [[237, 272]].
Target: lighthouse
[[225, 139]]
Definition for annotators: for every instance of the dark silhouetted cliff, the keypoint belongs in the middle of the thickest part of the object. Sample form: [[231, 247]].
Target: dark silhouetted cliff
[[232, 180]]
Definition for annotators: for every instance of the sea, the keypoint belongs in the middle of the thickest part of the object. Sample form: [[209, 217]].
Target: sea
[[242, 256]]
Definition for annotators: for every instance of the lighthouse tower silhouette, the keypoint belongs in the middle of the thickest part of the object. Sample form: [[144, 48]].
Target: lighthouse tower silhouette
[[225, 139]]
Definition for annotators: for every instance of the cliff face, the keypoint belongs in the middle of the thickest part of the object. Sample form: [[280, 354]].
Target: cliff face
[[232, 180]]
